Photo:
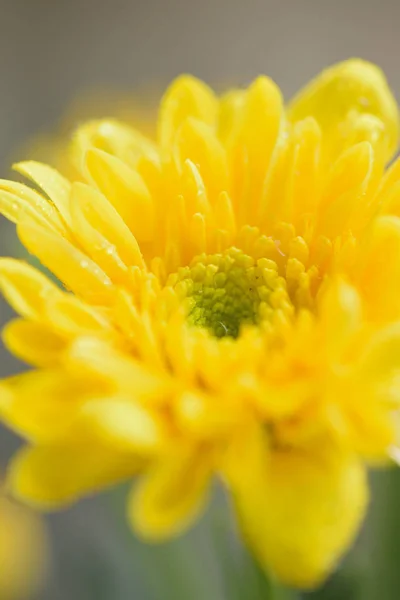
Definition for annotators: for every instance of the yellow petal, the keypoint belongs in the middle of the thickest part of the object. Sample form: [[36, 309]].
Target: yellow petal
[[114, 138], [225, 214], [198, 234], [70, 265], [72, 316], [379, 271], [18, 201], [186, 97], [303, 172], [230, 116], [34, 343], [52, 476], [342, 95], [273, 200], [51, 182], [381, 356], [193, 189], [170, 495], [26, 288], [299, 510], [368, 422], [203, 416], [125, 190], [197, 141], [346, 192], [341, 313], [123, 424], [93, 356], [102, 233], [390, 178], [263, 120], [391, 200], [140, 331], [42, 405]]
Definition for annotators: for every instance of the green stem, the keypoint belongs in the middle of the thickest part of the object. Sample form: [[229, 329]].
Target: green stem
[[382, 574], [270, 589]]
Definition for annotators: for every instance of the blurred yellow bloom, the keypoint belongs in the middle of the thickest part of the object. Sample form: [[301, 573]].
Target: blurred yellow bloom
[[22, 551], [233, 311], [137, 110]]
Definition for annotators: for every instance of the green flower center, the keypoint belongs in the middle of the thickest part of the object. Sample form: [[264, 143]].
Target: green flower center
[[230, 290]]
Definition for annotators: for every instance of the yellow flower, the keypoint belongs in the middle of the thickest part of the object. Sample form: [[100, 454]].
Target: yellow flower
[[233, 312], [22, 551]]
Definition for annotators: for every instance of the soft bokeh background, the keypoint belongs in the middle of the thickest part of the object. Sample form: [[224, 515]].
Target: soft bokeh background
[[50, 52]]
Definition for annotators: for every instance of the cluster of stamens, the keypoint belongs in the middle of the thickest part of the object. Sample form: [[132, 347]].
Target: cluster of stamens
[[228, 291]]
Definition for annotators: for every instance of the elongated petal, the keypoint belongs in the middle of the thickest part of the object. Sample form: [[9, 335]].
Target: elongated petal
[[350, 90], [124, 424], [126, 191], [106, 220], [113, 137], [205, 416], [304, 177], [196, 141], [53, 476], [26, 288], [299, 511], [72, 316], [42, 405], [186, 97], [390, 178], [34, 343], [341, 316], [381, 357], [103, 252], [18, 202], [230, 115], [263, 119], [379, 270], [51, 182], [93, 356], [70, 265], [171, 495], [345, 195]]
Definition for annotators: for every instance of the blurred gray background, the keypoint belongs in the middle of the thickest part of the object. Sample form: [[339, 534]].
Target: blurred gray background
[[51, 51]]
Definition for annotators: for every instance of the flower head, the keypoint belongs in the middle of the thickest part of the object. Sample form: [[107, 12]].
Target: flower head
[[231, 311]]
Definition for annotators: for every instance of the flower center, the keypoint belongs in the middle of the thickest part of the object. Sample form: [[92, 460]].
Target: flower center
[[230, 290]]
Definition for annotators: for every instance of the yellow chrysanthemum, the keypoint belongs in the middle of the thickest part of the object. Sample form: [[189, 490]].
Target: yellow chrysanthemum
[[233, 311]]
